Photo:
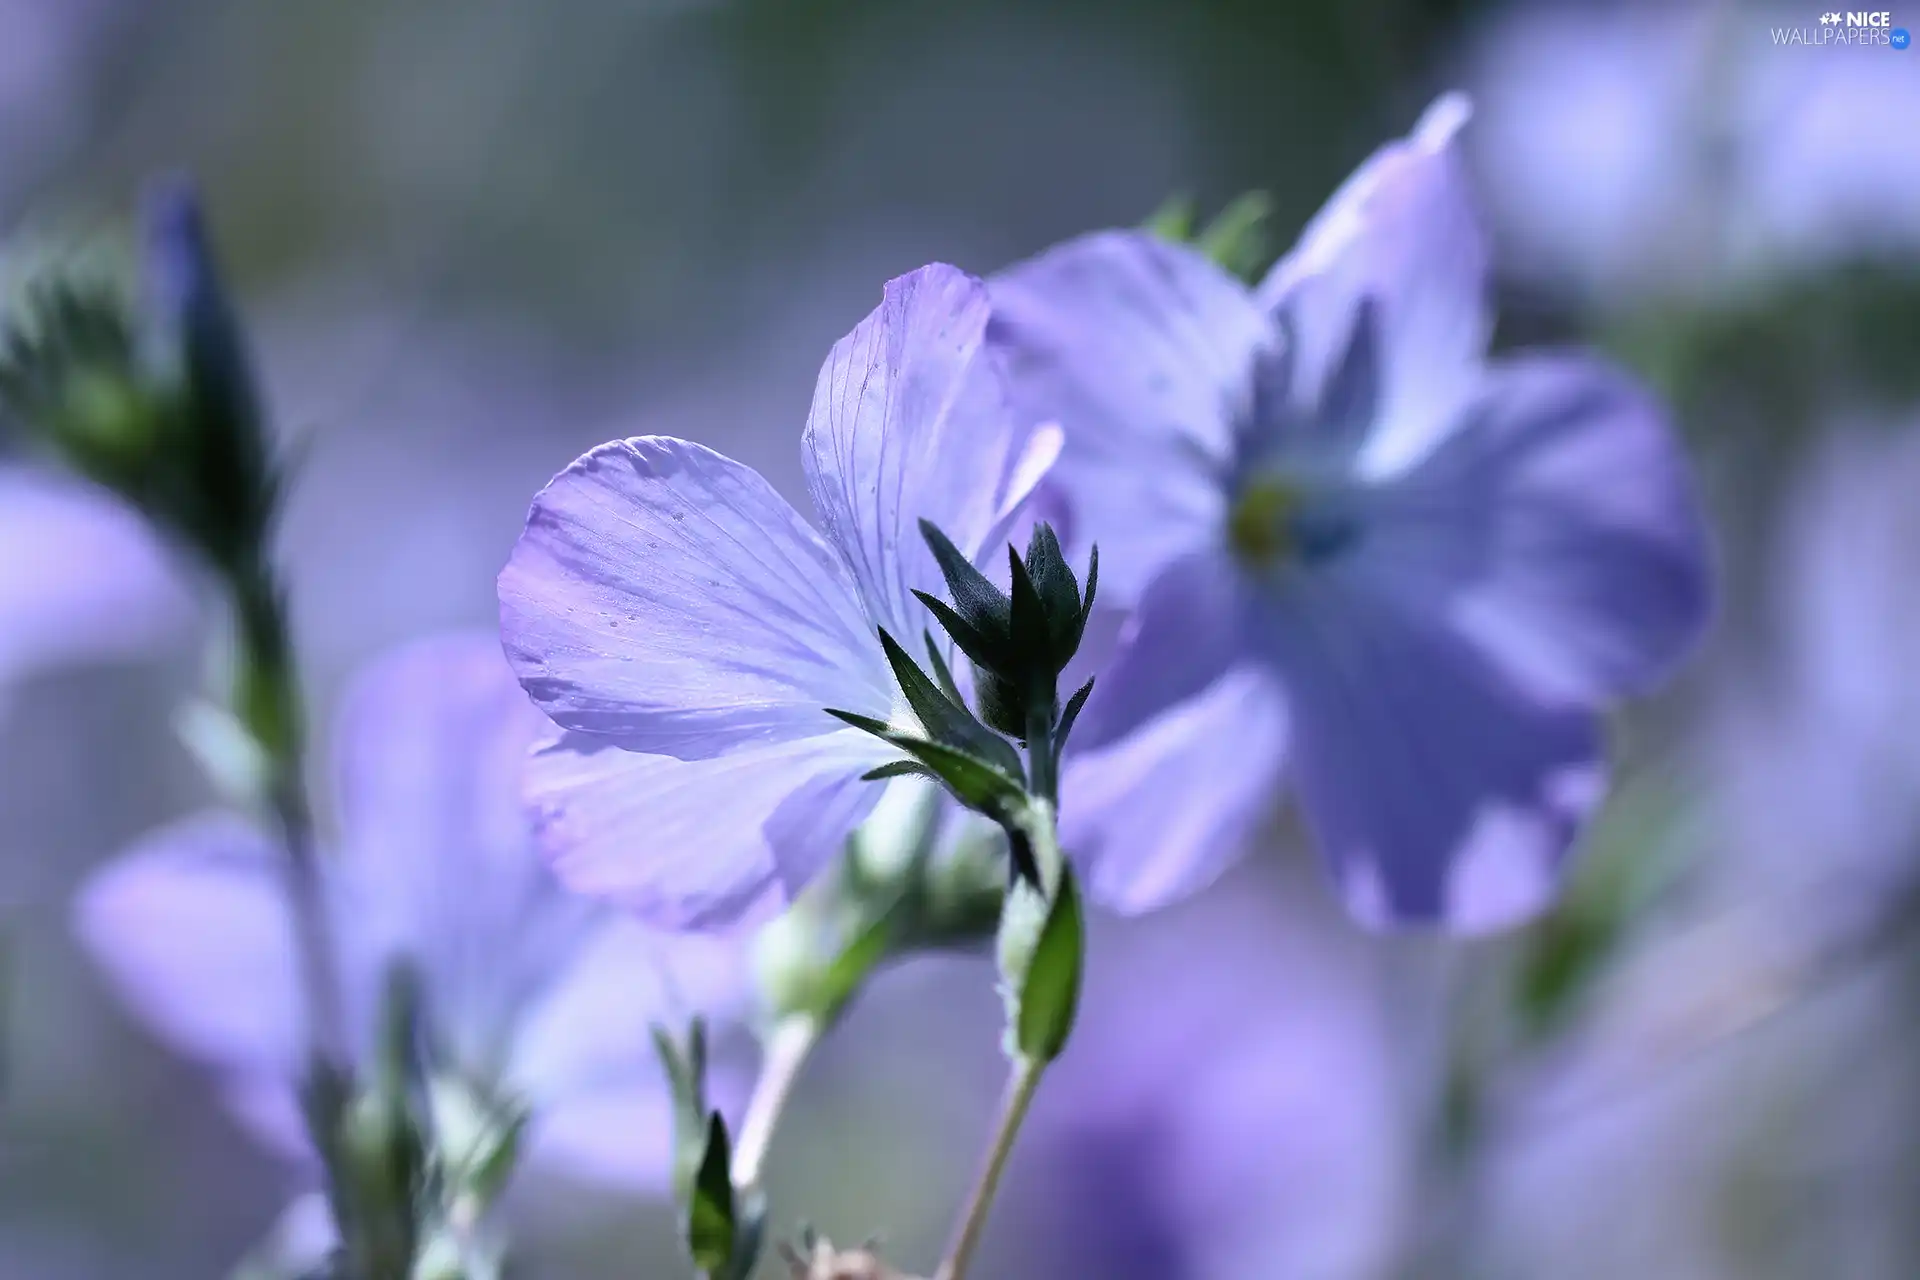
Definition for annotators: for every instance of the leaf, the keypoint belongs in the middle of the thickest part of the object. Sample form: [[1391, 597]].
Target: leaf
[[979, 784], [991, 651], [898, 769], [878, 728], [1071, 714], [975, 598], [852, 966], [1029, 619], [1173, 220], [942, 672], [709, 1222], [685, 1070], [945, 720], [1053, 577], [1093, 583], [1050, 993], [1237, 238]]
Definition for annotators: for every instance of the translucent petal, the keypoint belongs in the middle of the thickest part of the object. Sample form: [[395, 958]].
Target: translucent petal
[[698, 844], [1403, 236], [1164, 812], [1143, 352], [910, 421], [666, 594]]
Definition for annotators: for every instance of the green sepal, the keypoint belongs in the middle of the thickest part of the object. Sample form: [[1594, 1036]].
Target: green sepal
[[1050, 990], [1239, 238], [1069, 717], [976, 600], [899, 769], [982, 785], [1173, 220], [947, 722], [708, 1219]]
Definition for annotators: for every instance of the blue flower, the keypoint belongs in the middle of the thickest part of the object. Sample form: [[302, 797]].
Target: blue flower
[[532, 996], [1359, 553], [687, 628]]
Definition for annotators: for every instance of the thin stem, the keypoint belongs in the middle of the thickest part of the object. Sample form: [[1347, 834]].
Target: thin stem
[[788, 1049], [1021, 1086], [267, 699], [1040, 764]]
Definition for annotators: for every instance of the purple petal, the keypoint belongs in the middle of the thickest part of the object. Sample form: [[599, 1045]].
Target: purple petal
[[1403, 235], [438, 853], [1142, 351], [909, 422], [432, 742], [1558, 530], [666, 594], [698, 844], [192, 933], [1183, 637], [1163, 813], [585, 1057], [617, 1136], [80, 576], [191, 929], [1440, 794]]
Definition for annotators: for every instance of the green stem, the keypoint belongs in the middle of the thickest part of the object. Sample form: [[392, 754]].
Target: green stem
[[1021, 1086], [267, 699], [788, 1049], [1044, 781]]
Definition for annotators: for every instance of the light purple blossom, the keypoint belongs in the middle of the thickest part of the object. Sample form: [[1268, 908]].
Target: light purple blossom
[[687, 628], [80, 576], [531, 995], [1362, 556]]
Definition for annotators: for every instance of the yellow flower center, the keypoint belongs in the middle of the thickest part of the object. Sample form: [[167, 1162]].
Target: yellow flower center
[[1260, 524]]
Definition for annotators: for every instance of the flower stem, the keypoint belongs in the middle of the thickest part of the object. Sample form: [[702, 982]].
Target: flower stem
[[1045, 781], [1021, 1086], [267, 699], [788, 1049]]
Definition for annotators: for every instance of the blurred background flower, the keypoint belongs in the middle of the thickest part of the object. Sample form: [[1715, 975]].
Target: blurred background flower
[[475, 240]]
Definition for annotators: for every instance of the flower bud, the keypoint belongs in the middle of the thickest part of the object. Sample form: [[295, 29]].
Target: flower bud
[[153, 395]]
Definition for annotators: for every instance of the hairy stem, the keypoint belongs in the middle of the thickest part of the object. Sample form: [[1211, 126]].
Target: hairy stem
[[788, 1049], [1021, 1085]]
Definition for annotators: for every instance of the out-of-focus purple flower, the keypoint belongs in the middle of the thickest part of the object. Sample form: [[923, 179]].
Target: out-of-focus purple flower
[[80, 576], [532, 996], [1356, 548], [1780, 979], [1231, 1105], [687, 627], [1810, 750], [1637, 150]]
